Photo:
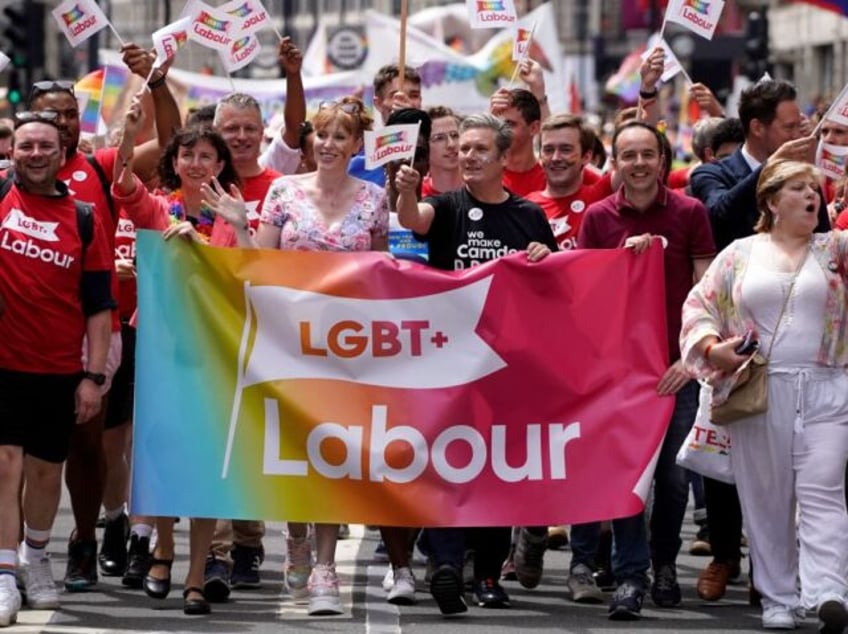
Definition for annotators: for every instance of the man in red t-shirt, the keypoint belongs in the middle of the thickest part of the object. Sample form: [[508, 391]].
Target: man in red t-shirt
[[55, 266], [523, 173], [566, 144], [88, 178]]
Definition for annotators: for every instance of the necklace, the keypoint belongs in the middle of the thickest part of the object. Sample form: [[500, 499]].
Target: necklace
[[177, 213]]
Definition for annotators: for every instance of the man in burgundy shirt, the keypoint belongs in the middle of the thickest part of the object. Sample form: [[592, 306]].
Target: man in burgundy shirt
[[641, 210]]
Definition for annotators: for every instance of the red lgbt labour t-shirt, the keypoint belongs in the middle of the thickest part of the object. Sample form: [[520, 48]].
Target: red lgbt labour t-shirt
[[41, 266]]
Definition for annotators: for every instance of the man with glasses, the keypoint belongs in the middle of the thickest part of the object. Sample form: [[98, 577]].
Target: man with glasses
[[55, 262], [88, 178]]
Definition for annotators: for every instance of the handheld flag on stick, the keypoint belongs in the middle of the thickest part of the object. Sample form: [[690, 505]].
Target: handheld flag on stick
[[242, 51], [838, 111], [699, 16], [89, 92], [210, 26], [491, 14], [250, 16], [80, 19], [524, 57], [832, 159], [391, 143]]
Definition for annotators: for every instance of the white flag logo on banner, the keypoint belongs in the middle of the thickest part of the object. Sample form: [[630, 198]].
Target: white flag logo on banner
[[79, 19], [699, 16]]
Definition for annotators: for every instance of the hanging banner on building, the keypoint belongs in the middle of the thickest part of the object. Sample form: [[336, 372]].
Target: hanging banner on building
[[339, 387]]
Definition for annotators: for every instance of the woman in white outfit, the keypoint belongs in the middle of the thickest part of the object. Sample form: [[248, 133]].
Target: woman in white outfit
[[787, 280]]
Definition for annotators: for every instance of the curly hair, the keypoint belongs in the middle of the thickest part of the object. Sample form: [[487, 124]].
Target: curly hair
[[188, 137]]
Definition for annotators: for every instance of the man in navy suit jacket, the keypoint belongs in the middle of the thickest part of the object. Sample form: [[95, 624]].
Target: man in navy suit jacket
[[771, 121]]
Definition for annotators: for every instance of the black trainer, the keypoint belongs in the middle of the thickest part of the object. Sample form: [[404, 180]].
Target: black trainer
[[246, 563], [216, 580], [138, 562], [113, 550], [626, 602], [833, 617], [490, 594], [446, 588], [665, 591], [81, 573]]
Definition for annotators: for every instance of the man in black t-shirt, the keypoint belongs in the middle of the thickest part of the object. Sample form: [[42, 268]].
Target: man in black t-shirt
[[478, 223]]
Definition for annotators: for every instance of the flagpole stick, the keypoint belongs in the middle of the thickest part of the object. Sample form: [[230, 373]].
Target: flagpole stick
[[830, 108], [118, 37], [662, 28], [524, 56], [232, 82], [404, 14], [686, 75], [153, 67]]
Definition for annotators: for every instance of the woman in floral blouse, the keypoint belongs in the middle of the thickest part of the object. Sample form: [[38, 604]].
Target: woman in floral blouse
[[324, 210], [788, 280]]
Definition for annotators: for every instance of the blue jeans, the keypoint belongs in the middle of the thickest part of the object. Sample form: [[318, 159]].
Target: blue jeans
[[631, 554]]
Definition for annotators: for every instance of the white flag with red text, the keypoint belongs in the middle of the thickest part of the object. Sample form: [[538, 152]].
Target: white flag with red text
[[79, 19], [241, 52], [699, 16], [390, 143], [250, 16], [491, 14], [170, 38]]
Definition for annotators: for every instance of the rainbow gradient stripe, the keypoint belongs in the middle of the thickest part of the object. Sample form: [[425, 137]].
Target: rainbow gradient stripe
[[836, 159], [490, 5], [212, 22], [242, 11], [92, 84], [240, 44], [73, 16], [699, 5], [388, 139]]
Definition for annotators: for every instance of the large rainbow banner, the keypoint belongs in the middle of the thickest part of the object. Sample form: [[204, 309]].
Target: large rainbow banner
[[337, 387]]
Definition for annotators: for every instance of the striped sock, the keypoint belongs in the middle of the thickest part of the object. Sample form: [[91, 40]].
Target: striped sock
[[8, 561], [34, 543]]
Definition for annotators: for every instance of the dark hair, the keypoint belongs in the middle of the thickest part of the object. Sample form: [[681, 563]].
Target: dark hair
[[412, 115], [599, 152], [728, 131], [306, 129], [527, 104], [565, 120], [441, 112], [5, 131], [760, 101], [389, 72], [189, 137], [204, 115], [637, 124]]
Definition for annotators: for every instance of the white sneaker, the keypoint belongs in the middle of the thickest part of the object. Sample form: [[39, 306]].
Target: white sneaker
[[39, 586], [324, 591], [403, 589], [778, 617], [10, 600], [389, 579], [298, 567]]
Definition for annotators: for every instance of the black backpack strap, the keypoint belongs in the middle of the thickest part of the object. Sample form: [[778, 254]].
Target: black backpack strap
[[6, 183], [85, 223], [104, 184]]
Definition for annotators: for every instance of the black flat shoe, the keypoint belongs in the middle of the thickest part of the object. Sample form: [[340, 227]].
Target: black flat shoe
[[195, 607], [158, 588]]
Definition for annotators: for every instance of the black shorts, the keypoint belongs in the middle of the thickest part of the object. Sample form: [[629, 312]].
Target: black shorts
[[37, 412], [121, 394]]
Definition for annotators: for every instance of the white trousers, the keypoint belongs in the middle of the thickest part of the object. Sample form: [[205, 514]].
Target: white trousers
[[793, 457]]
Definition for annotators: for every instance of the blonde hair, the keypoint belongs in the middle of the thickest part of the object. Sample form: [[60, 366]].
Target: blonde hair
[[774, 176]]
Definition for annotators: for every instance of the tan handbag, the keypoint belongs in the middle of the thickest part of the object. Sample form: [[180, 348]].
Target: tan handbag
[[750, 394]]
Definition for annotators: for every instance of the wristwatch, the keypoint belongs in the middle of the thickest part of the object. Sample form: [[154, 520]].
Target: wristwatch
[[97, 379]]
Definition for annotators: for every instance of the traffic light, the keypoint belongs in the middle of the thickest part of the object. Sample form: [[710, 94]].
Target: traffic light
[[14, 94], [757, 44]]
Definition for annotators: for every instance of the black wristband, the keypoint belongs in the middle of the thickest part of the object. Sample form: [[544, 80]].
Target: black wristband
[[648, 94], [156, 82]]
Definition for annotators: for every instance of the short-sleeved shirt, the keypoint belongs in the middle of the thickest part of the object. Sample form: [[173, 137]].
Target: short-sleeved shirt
[[288, 207], [42, 261], [84, 184], [566, 212], [253, 190], [522, 183], [682, 222], [466, 232]]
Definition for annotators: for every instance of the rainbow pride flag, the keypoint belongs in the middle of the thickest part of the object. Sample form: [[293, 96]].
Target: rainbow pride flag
[[91, 86]]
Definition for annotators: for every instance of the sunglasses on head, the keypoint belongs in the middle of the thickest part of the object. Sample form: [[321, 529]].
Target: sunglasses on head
[[350, 107], [44, 116], [41, 87]]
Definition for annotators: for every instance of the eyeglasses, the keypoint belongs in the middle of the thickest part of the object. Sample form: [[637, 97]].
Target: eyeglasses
[[442, 137], [44, 116], [41, 87], [350, 107]]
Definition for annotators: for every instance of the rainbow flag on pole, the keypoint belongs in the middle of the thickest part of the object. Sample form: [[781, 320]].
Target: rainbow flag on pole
[[91, 86]]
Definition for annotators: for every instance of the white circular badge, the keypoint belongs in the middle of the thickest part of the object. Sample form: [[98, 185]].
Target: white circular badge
[[79, 176], [578, 206], [475, 213]]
